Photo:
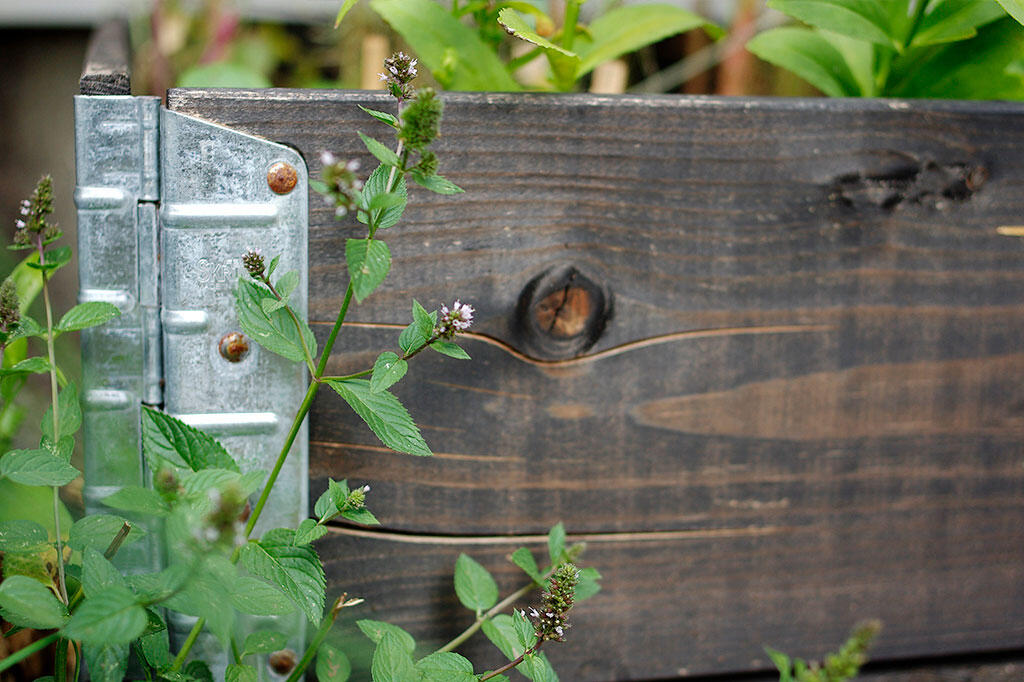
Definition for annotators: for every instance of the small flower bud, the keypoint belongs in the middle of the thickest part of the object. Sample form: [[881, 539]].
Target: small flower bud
[[551, 621], [254, 263], [342, 184], [454, 320], [428, 164], [399, 70]]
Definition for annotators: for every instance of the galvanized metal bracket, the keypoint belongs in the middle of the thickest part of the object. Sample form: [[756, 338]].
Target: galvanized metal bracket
[[167, 205]]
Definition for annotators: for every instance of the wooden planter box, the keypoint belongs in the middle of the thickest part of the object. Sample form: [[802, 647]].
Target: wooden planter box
[[763, 355]]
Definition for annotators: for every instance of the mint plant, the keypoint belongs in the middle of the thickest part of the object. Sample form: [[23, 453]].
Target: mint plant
[[476, 56], [204, 507], [955, 49], [838, 667]]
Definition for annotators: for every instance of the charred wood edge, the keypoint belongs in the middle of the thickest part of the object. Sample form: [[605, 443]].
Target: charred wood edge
[[107, 68]]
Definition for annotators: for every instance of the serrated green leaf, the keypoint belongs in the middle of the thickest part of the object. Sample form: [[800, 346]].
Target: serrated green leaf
[[308, 532], [363, 516], [474, 585], [114, 617], [270, 305], [384, 414], [85, 315], [863, 19], [445, 666], [525, 635], [263, 642], [69, 413], [388, 369], [275, 331], [377, 185], [55, 259], [324, 505], [382, 116], [97, 531], [376, 629], [21, 536], [37, 467], [287, 284], [296, 570], [952, 20], [134, 498], [106, 662], [62, 449], [537, 668], [368, 263], [332, 664], [381, 151], [199, 671], [1015, 8], [155, 587], [450, 349], [391, 661], [523, 558], [27, 327], [98, 574], [502, 634], [169, 441], [556, 543], [436, 183], [454, 52], [382, 202], [207, 594], [274, 262], [201, 481], [339, 491], [237, 672], [26, 602], [808, 54], [259, 598], [781, 662], [419, 331], [627, 29]]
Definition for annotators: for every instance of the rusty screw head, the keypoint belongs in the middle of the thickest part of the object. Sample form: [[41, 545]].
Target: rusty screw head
[[234, 347], [282, 662], [282, 177]]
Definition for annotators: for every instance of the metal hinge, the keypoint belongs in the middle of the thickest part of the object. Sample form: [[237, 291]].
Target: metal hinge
[[167, 205]]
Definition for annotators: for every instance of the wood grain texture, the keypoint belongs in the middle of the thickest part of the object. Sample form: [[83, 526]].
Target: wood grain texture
[[107, 69], [802, 404]]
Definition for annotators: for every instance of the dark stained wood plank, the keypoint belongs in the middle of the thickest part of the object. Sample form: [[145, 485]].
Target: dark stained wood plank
[[989, 672], [775, 343], [107, 69]]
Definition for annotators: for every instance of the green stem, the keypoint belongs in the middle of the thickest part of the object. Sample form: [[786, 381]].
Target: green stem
[[572, 15], [21, 654], [60, 663], [326, 353], [318, 639], [179, 660], [513, 663]]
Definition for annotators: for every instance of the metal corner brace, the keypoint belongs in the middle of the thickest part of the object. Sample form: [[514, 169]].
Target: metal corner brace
[[167, 204]]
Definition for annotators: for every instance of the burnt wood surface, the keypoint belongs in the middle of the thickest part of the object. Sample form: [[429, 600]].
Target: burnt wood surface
[[107, 69], [763, 355]]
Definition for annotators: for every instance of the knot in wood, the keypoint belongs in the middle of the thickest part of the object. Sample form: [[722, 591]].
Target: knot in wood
[[561, 313]]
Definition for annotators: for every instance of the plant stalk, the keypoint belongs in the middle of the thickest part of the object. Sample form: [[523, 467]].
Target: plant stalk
[[21, 654], [513, 663], [318, 639]]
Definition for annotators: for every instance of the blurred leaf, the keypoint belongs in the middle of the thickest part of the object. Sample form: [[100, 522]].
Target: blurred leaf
[[1015, 8], [225, 74], [331, 664], [952, 20], [808, 54], [864, 19], [26, 602], [375, 630]]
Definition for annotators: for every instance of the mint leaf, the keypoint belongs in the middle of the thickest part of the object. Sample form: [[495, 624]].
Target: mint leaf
[[862, 19], [237, 672], [263, 642], [296, 570], [391, 661], [19, 536], [85, 315], [587, 585], [166, 440], [113, 617], [524, 630], [106, 662], [287, 284], [276, 330], [377, 185], [381, 116], [332, 665], [98, 574], [388, 369], [27, 603], [1015, 8], [97, 530], [810, 55], [308, 532], [368, 263], [384, 414], [155, 642], [36, 467], [450, 349], [133, 498], [445, 666], [523, 558], [556, 543], [70, 414], [436, 183], [502, 633], [419, 331], [474, 586], [36, 365], [383, 153], [376, 629], [259, 598]]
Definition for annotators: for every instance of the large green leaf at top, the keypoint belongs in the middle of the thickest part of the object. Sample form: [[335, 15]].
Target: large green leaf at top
[[968, 69], [808, 54], [951, 20], [167, 441], [453, 52], [1015, 8], [864, 19], [629, 28]]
